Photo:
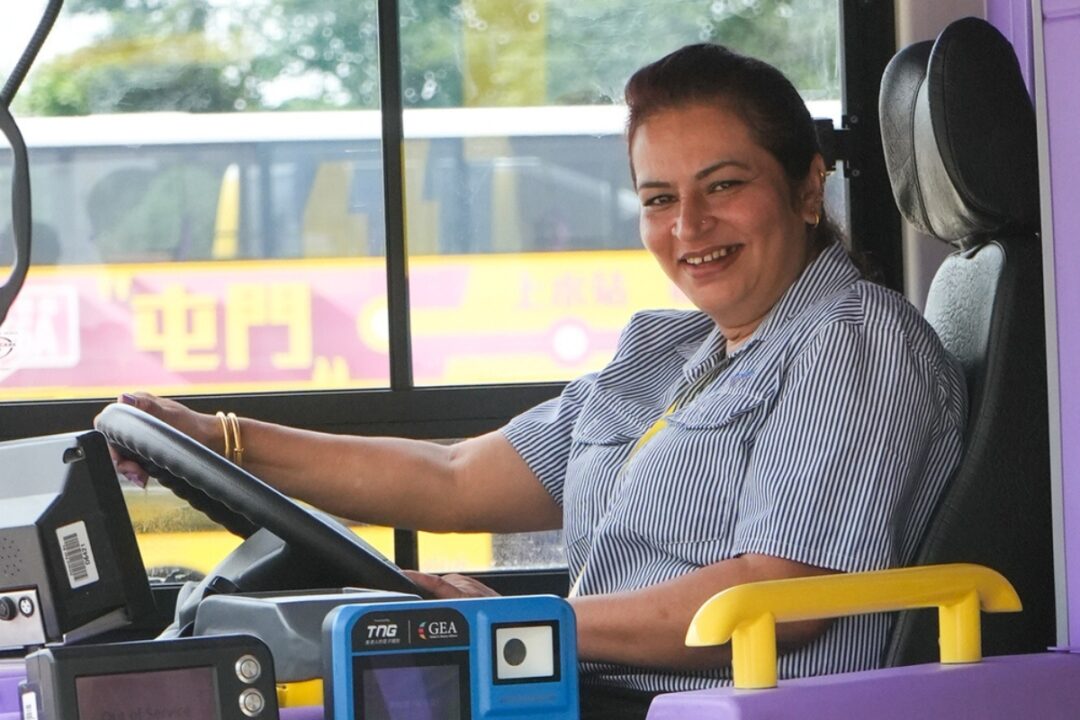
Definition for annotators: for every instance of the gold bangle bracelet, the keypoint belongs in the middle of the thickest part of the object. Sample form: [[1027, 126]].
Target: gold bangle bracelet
[[238, 447], [225, 431]]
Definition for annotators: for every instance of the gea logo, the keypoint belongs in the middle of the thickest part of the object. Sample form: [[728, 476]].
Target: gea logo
[[434, 629], [382, 631]]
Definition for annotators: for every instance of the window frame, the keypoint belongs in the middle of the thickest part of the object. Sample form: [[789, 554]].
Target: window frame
[[868, 42]]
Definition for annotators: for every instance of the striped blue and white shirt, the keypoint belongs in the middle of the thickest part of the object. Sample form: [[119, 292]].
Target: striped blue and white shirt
[[825, 438]]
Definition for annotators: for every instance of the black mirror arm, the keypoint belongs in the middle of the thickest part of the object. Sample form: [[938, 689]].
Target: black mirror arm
[[20, 213], [20, 185], [22, 67]]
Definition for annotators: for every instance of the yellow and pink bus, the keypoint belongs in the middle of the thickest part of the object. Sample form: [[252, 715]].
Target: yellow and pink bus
[[196, 254], [246, 252]]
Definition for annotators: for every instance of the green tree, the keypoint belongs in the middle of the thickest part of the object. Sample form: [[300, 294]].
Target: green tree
[[201, 55], [596, 45], [156, 55]]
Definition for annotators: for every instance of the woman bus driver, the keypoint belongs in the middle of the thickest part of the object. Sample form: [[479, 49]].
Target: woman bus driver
[[802, 421]]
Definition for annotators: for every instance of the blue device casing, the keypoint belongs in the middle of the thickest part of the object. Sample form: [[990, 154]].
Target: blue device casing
[[467, 659]]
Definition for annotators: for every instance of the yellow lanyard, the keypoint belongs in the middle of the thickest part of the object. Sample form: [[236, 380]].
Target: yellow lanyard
[[683, 398], [692, 391], [660, 424]]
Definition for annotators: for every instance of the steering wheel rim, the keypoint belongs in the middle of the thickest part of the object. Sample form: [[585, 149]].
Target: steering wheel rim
[[241, 502]]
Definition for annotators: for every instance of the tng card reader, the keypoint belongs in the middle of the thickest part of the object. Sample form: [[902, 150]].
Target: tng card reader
[[506, 657]]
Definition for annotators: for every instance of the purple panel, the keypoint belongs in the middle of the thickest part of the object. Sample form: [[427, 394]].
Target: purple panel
[[314, 712], [1045, 686], [1061, 28], [1060, 8], [1013, 19], [10, 677]]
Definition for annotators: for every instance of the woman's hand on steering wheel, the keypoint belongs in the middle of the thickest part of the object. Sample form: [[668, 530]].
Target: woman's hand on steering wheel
[[148, 432], [203, 428]]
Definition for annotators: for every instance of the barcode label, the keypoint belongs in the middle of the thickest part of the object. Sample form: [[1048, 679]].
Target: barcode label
[[78, 557], [29, 705]]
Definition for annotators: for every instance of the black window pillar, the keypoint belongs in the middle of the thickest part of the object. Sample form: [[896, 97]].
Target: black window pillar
[[868, 31]]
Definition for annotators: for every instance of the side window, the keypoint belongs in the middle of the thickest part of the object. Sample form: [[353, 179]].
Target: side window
[[524, 256], [209, 211]]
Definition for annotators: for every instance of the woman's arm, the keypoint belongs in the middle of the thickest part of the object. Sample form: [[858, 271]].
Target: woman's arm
[[480, 484], [647, 627]]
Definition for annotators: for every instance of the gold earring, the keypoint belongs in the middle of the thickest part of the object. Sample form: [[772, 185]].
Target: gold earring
[[817, 219]]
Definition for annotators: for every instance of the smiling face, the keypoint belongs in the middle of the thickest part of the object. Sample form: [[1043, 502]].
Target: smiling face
[[719, 214]]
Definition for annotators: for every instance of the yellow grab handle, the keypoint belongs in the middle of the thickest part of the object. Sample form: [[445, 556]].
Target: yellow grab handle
[[747, 614]]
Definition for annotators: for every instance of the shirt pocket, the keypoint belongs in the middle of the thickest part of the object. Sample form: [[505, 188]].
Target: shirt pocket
[[682, 489], [722, 408], [610, 420], [607, 429]]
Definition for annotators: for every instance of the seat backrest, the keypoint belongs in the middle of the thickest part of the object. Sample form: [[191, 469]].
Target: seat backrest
[[960, 145]]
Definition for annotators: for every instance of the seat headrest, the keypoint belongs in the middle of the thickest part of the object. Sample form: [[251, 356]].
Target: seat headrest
[[958, 130]]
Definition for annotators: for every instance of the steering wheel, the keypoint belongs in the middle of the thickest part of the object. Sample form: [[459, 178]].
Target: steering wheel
[[242, 503]]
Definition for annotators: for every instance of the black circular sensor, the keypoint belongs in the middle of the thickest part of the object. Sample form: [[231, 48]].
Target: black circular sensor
[[8, 612], [514, 651]]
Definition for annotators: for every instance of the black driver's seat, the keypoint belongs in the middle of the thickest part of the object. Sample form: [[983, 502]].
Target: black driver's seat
[[960, 145]]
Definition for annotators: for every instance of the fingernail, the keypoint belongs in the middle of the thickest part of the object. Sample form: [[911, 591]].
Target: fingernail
[[136, 479], [129, 399]]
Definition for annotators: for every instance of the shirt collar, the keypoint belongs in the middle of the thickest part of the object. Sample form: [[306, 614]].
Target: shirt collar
[[830, 271], [703, 355]]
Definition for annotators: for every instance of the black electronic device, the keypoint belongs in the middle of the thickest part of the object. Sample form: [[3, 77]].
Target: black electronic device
[[69, 565], [230, 677]]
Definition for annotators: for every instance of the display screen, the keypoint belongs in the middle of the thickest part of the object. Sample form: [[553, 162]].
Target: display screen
[[185, 694], [425, 690]]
